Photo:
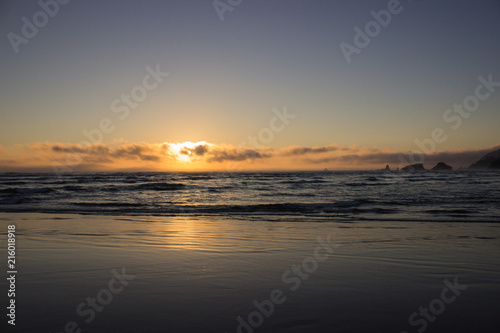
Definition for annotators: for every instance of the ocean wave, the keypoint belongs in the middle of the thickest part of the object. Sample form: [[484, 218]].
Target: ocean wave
[[108, 204], [160, 186], [302, 181], [77, 188], [134, 208], [288, 194], [25, 190], [11, 201], [279, 207], [14, 182], [367, 184]]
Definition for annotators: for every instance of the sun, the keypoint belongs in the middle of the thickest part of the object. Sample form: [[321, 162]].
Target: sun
[[182, 151]]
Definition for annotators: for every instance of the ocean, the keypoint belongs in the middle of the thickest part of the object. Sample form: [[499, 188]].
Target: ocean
[[251, 252], [463, 196]]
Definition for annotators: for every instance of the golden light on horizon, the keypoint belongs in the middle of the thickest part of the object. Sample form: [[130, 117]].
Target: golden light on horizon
[[182, 151]]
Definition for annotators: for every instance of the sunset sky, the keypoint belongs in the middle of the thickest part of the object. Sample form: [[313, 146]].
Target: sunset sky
[[266, 88]]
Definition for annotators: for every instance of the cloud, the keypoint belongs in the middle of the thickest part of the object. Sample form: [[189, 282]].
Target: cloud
[[59, 148], [212, 153], [101, 153], [143, 152], [297, 150], [201, 150], [234, 154], [198, 150]]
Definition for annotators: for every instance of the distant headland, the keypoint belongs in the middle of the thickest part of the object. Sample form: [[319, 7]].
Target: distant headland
[[489, 161]]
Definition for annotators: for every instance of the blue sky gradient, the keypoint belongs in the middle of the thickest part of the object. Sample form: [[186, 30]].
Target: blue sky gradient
[[227, 76]]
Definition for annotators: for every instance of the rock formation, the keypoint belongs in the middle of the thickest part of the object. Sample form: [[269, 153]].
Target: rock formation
[[488, 161], [442, 167], [414, 167]]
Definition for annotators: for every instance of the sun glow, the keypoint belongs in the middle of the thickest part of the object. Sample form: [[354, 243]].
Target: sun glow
[[183, 151]]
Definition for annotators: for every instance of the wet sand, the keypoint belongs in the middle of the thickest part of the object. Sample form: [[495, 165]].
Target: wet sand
[[157, 274]]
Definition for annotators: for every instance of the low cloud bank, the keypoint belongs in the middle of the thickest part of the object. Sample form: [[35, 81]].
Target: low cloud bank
[[178, 156]]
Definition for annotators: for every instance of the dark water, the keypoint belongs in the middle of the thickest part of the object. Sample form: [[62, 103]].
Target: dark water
[[370, 195], [204, 248]]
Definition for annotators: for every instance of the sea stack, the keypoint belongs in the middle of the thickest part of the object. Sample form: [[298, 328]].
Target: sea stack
[[414, 167], [442, 167]]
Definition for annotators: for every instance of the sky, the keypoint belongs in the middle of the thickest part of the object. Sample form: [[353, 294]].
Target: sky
[[247, 85]]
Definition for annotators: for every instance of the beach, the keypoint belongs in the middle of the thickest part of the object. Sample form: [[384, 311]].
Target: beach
[[226, 274]]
